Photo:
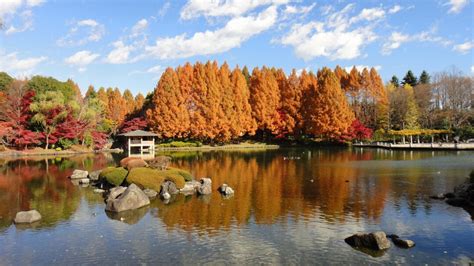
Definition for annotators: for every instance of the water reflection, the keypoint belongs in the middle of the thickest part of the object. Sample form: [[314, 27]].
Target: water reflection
[[334, 184]]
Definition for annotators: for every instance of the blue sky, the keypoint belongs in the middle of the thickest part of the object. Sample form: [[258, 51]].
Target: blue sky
[[127, 44]]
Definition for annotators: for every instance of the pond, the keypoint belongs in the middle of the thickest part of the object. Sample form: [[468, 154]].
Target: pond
[[291, 206]]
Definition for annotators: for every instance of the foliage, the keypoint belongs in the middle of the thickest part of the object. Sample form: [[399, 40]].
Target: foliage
[[5, 80], [180, 144], [410, 79], [357, 131], [114, 175], [424, 78], [395, 82], [137, 123], [152, 178]]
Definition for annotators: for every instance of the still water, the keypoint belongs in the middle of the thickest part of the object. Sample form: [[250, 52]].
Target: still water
[[291, 206]]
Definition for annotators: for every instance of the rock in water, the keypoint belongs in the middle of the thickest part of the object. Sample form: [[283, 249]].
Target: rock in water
[[190, 187], [226, 190], [160, 162], [375, 241], [150, 193], [205, 187], [440, 196], [132, 198], [115, 192], [79, 174], [27, 217], [94, 176], [403, 243], [98, 190]]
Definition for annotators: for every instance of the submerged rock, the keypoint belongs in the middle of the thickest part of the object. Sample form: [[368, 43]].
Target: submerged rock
[[401, 242], [440, 196], [79, 174], [226, 190], [27, 217], [205, 188], [98, 190], [374, 241], [132, 198]]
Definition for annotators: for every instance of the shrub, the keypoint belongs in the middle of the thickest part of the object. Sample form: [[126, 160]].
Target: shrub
[[180, 144], [153, 178], [471, 177], [114, 175]]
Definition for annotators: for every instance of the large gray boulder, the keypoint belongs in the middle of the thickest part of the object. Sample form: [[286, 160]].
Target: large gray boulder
[[115, 192], [79, 174], [374, 241], [205, 188], [27, 217], [132, 198], [168, 187]]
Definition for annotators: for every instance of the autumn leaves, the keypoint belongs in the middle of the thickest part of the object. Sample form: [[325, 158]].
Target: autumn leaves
[[212, 103]]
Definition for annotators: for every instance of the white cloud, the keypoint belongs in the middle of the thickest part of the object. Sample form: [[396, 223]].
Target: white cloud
[[120, 54], [139, 27], [84, 31], [472, 69], [338, 36], [213, 8], [11, 63], [155, 69], [9, 6], [13, 11], [164, 9], [369, 14], [233, 34], [81, 58], [292, 10], [396, 39], [32, 3], [456, 5], [464, 48], [394, 9], [361, 67], [27, 23]]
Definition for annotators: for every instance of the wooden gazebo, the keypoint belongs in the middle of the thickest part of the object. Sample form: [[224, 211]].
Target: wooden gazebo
[[140, 143]]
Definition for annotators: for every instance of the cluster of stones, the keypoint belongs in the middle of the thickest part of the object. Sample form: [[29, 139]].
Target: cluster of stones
[[377, 241]]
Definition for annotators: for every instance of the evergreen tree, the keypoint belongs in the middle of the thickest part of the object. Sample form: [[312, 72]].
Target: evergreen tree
[[395, 82], [424, 78], [246, 73], [5, 80], [410, 79]]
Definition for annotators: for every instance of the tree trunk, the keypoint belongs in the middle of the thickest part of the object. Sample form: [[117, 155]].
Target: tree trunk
[[47, 141]]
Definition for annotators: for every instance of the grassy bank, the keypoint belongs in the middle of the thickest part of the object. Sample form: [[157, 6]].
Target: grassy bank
[[193, 146], [43, 152]]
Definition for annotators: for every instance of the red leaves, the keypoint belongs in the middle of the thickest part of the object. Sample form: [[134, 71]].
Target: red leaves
[[137, 123], [357, 131], [100, 139]]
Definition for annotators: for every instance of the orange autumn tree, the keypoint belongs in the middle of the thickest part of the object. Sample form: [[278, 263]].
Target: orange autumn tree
[[129, 101], [243, 122], [139, 101], [329, 114], [168, 113], [290, 93], [229, 116], [265, 100]]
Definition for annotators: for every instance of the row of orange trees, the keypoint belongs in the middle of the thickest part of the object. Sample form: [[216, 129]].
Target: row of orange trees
[[208, 102]]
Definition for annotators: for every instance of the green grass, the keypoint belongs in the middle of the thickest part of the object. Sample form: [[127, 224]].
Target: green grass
[[114, 175], [180, 144], [153, 178]]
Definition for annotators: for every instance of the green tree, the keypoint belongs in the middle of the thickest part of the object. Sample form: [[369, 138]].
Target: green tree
[[424, 78], [395, 82], [410, 79], [5, 80]]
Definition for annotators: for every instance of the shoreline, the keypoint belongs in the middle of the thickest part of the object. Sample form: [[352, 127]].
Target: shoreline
[[417, 146], [224, 147], [17, 154]]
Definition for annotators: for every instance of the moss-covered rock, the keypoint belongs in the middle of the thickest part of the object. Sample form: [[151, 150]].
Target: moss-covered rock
[[114, 175], [152, 178]]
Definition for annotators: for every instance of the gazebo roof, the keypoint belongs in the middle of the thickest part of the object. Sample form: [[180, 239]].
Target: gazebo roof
[[139, 133]]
